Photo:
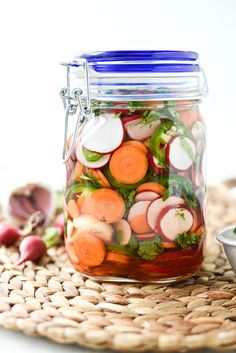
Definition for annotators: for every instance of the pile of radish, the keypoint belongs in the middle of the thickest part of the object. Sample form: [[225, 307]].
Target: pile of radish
[[119, 202]]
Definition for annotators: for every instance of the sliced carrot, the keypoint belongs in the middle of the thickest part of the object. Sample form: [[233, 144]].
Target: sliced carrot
[[139, 224], [117, 257], [84, 204], [168, 245], [106, 205], [78, 171], [137, 144], [189, 116], [89, 249], [128, 165], [102, 180], [72, 209], [152, 103], [199, 231], [151, 186]]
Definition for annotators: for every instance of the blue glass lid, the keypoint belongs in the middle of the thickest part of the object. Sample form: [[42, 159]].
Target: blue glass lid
[[163, 61]]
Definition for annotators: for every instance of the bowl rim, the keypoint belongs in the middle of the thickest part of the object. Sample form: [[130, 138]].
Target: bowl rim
[[222, 238]]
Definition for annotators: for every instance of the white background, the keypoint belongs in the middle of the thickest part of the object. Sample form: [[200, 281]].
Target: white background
[[37, 35]]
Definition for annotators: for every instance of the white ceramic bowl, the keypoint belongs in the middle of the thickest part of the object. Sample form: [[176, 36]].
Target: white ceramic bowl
[[227, 237]]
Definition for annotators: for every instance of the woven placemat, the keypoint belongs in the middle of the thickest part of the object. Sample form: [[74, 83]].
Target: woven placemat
[[55, 301]]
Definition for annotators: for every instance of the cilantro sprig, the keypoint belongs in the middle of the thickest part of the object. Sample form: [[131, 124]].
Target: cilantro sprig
[[146, 249], [188, 239]]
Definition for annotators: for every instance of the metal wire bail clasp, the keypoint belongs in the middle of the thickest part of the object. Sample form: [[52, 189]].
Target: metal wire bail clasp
[[73, 104]]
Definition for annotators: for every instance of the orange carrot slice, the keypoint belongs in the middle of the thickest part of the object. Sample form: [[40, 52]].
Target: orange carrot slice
[[151, 186], [168, 245], [102, 180], [128, 165], [84, 204], [117, 257], [72, 209], [106, 205], [89, 249], [139, 224], [137, 144]]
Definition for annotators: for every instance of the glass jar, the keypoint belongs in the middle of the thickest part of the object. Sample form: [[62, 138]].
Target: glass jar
[[135, 189]]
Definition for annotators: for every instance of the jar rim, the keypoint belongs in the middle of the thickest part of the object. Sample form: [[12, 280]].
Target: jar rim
[[126, 61]]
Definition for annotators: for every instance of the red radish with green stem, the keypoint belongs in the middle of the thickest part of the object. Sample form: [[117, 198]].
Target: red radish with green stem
[[32, 248]]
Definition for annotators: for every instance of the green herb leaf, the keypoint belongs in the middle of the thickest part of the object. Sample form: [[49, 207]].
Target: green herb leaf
[[133, 243], [123, 249], [188, 149], [149, 249], [52, 236], [186, 240], [178, 185], [78, 188], [91, 156]]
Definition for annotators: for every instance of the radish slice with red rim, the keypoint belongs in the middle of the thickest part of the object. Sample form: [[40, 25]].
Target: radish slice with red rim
[[146, 236], [157, 205], [154, 164], [138, 208], [139, 131], [98, 164], [198, 130], [128, 119], [102, 134], [123, 231], [146, 196], [174, 220], [181, 153]]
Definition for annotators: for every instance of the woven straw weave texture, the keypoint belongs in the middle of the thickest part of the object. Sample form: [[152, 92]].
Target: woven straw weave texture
[[51, 299]]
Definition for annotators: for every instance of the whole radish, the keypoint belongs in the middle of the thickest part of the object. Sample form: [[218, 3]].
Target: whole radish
[[32, 248], [9, 234], [59, 223]]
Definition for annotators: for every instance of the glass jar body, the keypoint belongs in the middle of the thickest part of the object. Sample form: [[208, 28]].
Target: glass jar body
[[135, 191]]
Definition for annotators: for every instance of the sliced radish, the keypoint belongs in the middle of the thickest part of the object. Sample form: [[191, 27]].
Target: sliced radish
[[174, 220], [123, 231], [139, 131], [177, 155], [102, 134], [98, 164], [196, 220], [128, 119], [146, 196], [146, 236], [137, 217], [154, 164], [198, 130], [157, 205], [90, 224], [138, 208]]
